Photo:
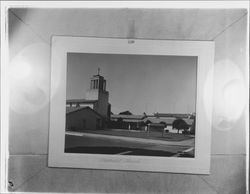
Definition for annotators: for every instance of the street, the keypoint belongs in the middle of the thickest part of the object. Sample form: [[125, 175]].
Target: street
[[104, 144]]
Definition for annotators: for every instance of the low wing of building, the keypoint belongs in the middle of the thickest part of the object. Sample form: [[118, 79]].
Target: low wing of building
[[83, 118]]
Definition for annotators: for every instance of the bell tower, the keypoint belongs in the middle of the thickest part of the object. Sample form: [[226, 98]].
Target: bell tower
[[97, 91]]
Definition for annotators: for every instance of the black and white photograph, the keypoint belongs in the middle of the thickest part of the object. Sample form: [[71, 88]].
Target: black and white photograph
[[124, 97], [130, 104]]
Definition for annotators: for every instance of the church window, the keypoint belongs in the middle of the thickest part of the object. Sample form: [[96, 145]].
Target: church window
[[91, 84], [95, 84], [104, 85]]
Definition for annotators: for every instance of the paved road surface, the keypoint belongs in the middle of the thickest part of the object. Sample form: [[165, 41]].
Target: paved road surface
[[103, 144]]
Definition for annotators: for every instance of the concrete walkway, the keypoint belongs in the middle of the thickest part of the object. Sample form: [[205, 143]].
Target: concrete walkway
[[189, 142]]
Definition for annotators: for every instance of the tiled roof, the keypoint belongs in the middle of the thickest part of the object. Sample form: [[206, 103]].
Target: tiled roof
[[177, 115], [131, 117], [132, 120], [168, 121], [81, 101], [75, 109], [152, 119], [156, 124]]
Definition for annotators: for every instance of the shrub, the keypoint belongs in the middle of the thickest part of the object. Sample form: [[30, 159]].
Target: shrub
[[180, 124]]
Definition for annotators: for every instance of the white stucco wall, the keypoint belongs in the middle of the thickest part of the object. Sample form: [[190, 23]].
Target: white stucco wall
[[75, 119]]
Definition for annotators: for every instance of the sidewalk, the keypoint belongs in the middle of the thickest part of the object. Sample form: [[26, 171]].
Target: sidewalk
[[187, 142]]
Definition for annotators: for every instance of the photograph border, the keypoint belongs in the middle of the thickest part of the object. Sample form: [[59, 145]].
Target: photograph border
[[204, 50]]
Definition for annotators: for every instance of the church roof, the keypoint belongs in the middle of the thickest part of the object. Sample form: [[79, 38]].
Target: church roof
[[94, 76], [73, 109], [70, 110], [81, 101]]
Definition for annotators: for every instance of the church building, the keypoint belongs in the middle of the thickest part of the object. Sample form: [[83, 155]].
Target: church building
[[92, 112]]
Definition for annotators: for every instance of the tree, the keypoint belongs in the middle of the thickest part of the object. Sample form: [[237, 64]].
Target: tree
[[192, 130], [148, 122], [125, 113], [180, 124], [164, 126], [162, 122], [119, 122]]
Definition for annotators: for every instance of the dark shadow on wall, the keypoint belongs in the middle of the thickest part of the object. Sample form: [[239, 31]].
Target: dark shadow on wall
[[15, 18]]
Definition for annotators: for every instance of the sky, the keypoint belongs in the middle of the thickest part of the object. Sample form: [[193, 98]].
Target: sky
[[138, 83]]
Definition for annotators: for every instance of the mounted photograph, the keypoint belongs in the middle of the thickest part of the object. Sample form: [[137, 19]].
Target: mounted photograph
[[130, 104]]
